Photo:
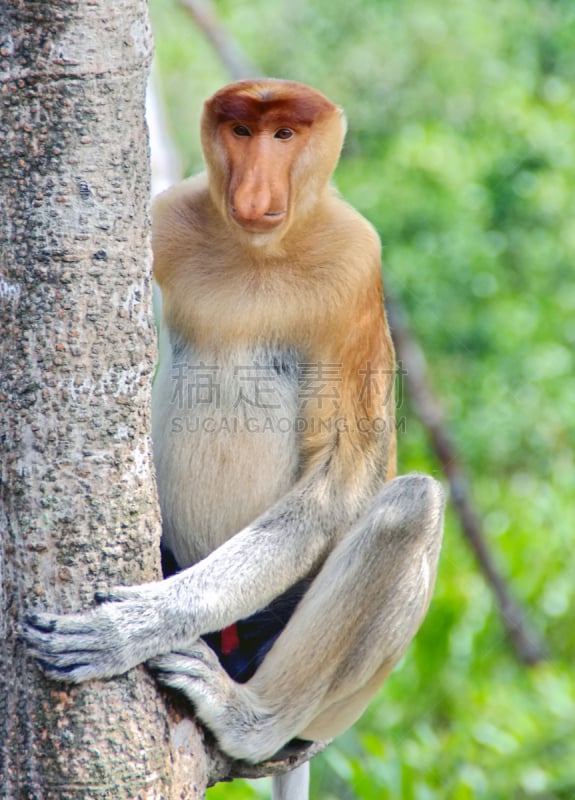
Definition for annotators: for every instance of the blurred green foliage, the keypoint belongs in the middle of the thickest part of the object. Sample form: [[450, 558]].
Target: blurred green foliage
[[461, 151]]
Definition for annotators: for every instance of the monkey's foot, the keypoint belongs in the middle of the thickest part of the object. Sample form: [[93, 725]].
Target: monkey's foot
[[230, 710]]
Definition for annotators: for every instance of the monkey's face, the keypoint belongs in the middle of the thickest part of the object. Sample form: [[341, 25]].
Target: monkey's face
[[270, 147], [261, 158]]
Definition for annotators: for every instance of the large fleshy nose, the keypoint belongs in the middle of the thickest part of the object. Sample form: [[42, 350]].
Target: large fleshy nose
[[259, 192], [251, 200]]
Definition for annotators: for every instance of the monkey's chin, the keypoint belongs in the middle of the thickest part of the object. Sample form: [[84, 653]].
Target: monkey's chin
[[260, 235]]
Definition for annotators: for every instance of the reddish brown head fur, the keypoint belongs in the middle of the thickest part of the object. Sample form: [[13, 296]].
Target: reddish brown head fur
[[278, 101]]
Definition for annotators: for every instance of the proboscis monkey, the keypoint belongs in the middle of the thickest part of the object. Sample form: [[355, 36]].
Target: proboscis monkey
[[305, 566]]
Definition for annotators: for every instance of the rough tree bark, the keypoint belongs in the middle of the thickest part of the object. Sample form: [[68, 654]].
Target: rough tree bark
[[78, 508]]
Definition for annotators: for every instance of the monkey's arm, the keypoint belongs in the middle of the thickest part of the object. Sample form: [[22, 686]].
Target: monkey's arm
[[134, 624]]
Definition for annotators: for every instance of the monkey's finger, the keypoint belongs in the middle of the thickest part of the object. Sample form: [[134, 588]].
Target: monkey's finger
[[197, 660], [62, 660], [146, 593], [118, 594], [54, 645], [60, 635], [77, 672], [175, 663], [60, 668], [191, 686], [42, 622]]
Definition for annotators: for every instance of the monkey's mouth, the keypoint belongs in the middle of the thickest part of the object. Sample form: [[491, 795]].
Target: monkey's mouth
[[263, 223]]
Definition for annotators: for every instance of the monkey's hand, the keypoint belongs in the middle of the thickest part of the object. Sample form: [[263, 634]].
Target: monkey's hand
[[238, 719], [131, 625]]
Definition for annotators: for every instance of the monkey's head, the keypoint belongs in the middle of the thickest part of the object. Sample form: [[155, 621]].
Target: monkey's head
[[270, 148]]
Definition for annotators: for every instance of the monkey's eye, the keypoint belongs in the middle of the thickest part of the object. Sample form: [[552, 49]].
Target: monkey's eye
[[283, 133], [241, 130]]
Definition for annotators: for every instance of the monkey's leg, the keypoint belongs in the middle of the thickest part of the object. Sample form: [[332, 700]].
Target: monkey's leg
[[351, 628]]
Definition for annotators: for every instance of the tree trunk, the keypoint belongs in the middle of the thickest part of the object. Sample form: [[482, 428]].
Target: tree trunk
[[78, 508]]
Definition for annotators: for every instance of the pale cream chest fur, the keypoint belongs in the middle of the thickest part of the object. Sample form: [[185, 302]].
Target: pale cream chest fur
[[225, 432]]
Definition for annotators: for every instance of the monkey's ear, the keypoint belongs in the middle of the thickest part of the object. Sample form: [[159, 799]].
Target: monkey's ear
[[343, 119]]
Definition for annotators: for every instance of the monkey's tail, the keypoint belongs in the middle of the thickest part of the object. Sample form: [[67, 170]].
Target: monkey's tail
[[292, 785]]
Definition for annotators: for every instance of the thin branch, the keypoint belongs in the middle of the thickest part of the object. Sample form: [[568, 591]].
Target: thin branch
[[525, 642], [234, 60], [224, 768]]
